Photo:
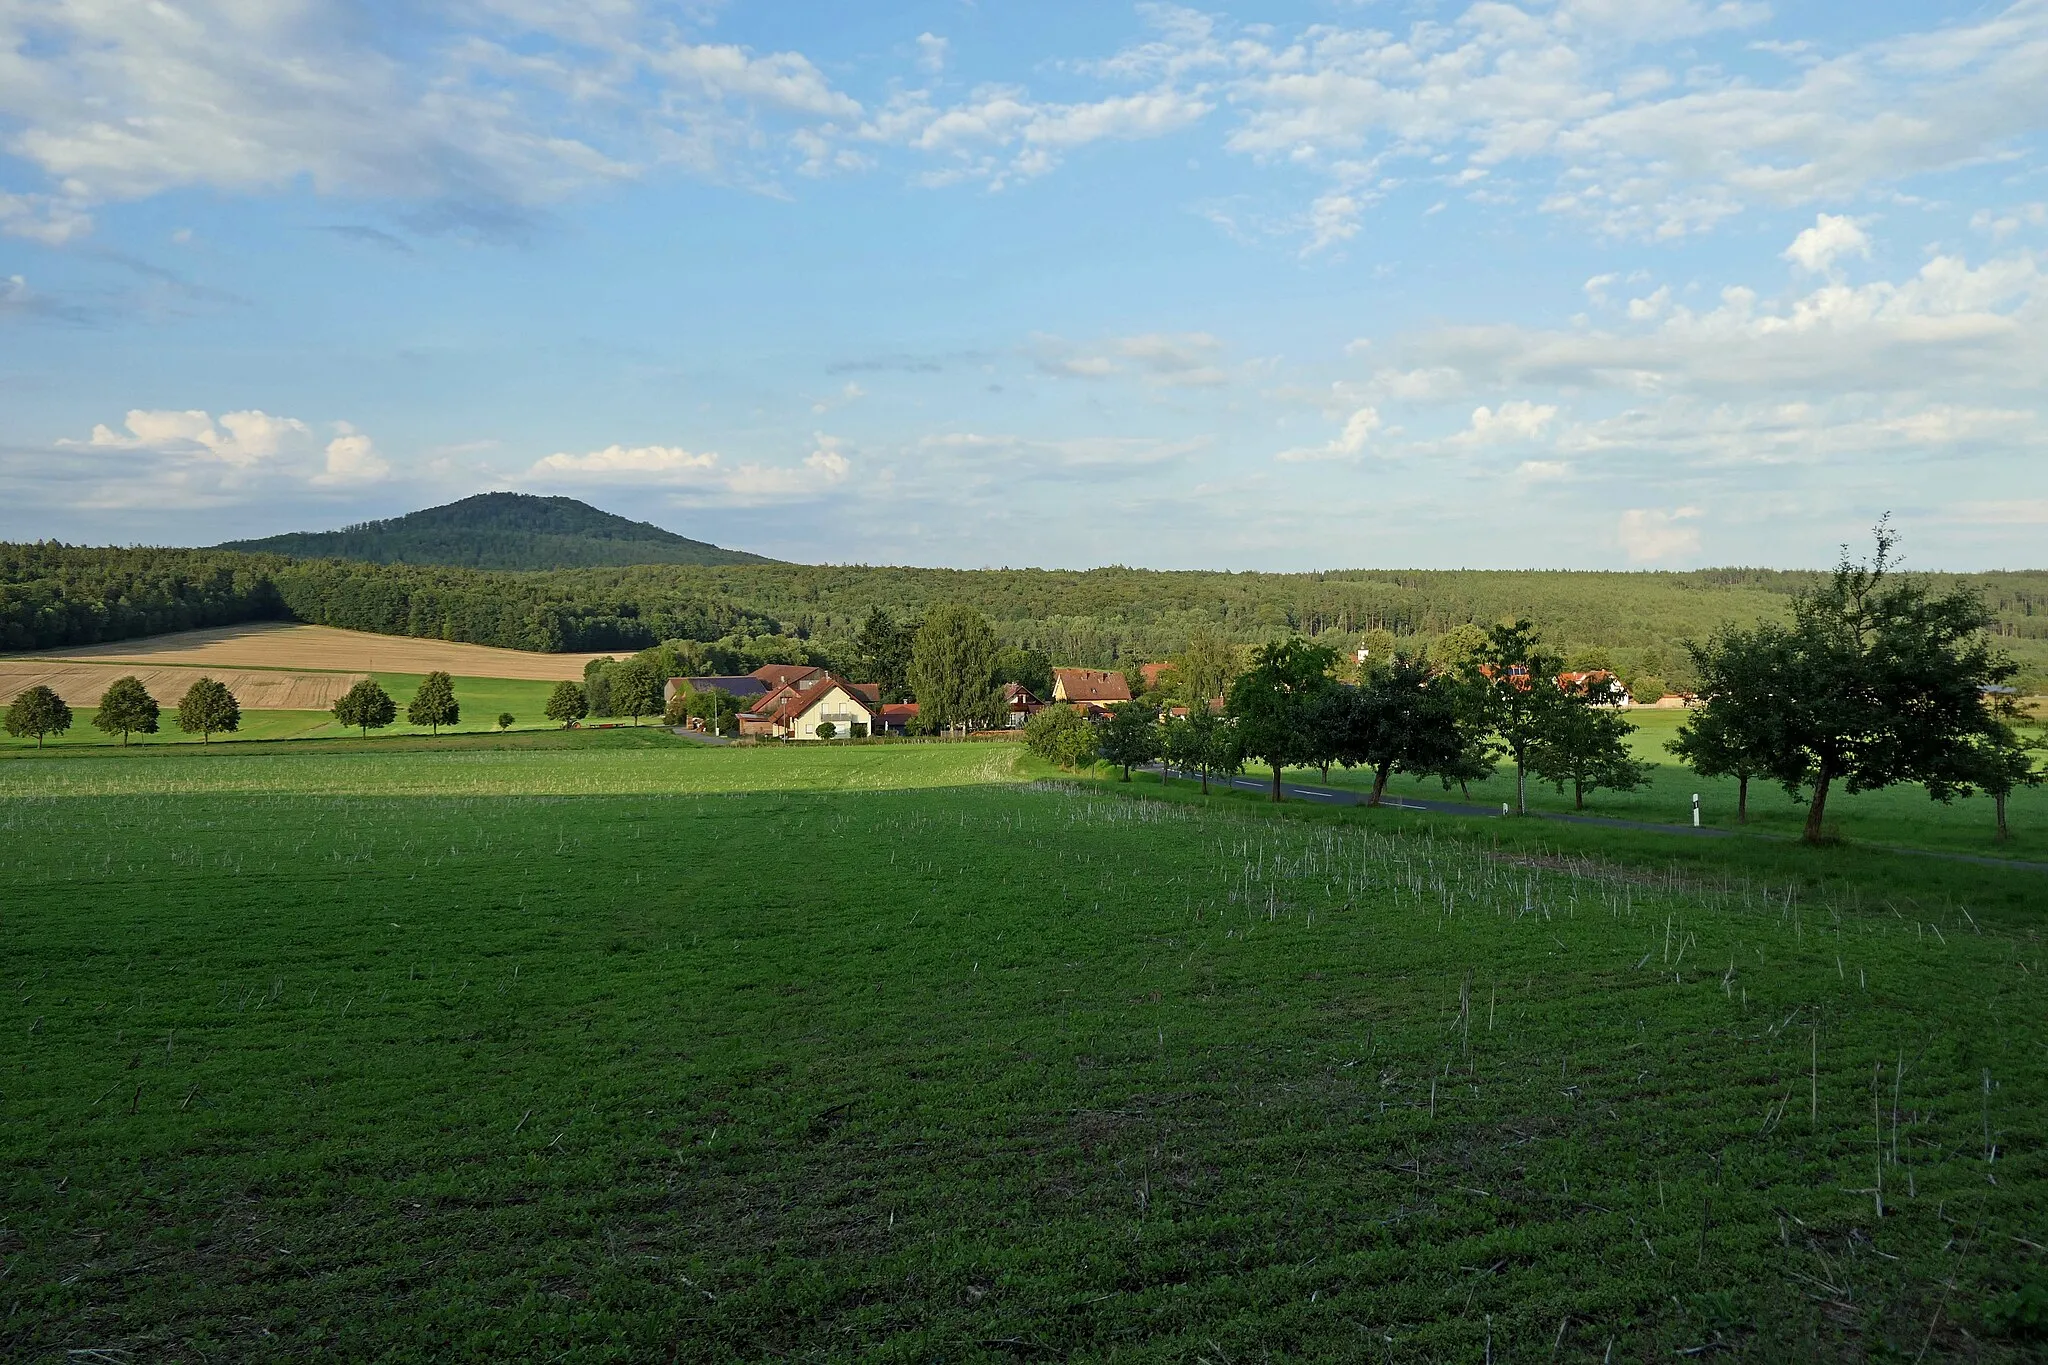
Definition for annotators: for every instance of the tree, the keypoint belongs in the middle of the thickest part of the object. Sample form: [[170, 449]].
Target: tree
[[2001, 762], [1585, 742], [1201, 673], [826, 729], [953, 670], [1130, 737], [1406, 720], [38, 711], [1876, 681], [1200, 740], [717, 708], [567, 704], [676, 713], [1061, 734], [505, 719], [1333, 721], [1028, 668], [208, 709], [881, 654], [1379, 646], [1514, 693], [366, 707], [1271, 702], [126, 708], [597, 687], [636, 689], [1733, 728], [434, 704], [1457, 649]]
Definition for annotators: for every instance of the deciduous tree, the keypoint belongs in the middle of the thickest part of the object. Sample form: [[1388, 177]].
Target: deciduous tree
[[1270, 702], [881, 654], [37, 712], [567, 704], [1733, 729], [366, 707], [1513, 692], [1585, 743], [636, 689], [1130, 737], [953, 670], [434, 704], [126, 708], [208, 709], [1407, 721], [1202, 741], [1061, 734]]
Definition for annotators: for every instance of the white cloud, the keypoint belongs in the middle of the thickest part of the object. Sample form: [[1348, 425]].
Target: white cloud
[[1829, 239], [1542, 471], [1650, 536], [352, 458], [1169, 359], [239, 439], [1348, 444], [931, 53], [1519, 420], [704, 475]]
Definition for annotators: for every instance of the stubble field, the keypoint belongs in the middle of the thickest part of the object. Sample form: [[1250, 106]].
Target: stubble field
[[278, 644], [610, 1047]]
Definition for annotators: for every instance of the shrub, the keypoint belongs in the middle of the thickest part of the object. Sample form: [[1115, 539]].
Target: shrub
[[857, 730], [505, 719], [1062, 735], [826, 729]]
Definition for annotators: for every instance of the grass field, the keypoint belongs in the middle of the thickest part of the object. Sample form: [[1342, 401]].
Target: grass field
[[605, 1046], [1903, 816]]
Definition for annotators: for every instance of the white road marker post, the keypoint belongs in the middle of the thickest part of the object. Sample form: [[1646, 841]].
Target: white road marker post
[[1695, 810]]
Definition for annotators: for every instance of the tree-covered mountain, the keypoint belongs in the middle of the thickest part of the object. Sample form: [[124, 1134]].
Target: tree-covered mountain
[[514, 531]]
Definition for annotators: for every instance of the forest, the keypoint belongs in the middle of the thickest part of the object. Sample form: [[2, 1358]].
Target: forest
[[52, 595]]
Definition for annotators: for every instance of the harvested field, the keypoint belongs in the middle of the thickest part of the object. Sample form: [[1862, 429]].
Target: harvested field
[[82, 684], [278, 644]]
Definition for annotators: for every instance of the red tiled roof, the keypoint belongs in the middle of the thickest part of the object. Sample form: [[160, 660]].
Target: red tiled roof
[[781, 675], [1090, 684], [1151, 673]]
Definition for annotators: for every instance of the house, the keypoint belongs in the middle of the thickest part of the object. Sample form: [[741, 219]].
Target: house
[[797, 709], [1152, 673], [1598, 686], [772, 676], [893, 718], [1099, 686], [1019, 705], [742, 686]]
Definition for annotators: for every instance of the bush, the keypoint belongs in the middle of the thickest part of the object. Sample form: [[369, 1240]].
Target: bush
[[505, 719], [826, 729], [857, 730], [1648, 688], [1062, 735]]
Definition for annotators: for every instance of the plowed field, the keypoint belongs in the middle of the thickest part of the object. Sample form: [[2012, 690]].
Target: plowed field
[[281, 645], [81, 684]]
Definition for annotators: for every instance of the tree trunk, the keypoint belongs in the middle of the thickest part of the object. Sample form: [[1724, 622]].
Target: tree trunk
[[1742, 798], [1205, 781], [1578, 794], [1816, 809], [1127, 772], [1326, 774], [1379, 783], [1521, 787], [1998, 803], [1276, 782]]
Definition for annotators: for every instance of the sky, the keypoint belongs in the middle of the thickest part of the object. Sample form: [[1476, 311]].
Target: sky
[[1295, 286]]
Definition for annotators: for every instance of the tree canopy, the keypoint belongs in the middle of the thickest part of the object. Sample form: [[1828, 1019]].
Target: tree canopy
[[36, 712], [366, 707], [1272, 703], [567, 704], [208, 709], [953, 670], [434, 705], [125, 709]]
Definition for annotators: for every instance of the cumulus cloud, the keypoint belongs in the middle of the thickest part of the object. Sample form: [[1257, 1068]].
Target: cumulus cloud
[[1348, 444], [931, 53], [239, 439], [1829, 239], [352, 458], [1649, 535]]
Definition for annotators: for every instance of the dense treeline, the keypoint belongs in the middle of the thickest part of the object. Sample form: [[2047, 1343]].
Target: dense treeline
[[1635, 623]]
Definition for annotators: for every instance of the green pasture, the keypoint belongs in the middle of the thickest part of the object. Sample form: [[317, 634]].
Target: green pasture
[[607, 1046], [1903, 816]]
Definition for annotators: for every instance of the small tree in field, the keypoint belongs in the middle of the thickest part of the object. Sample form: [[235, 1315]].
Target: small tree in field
[[38, 712], [1586, 744], [1200, 741], [126, 708], [434, 704], [1060, 734], [365, 707], [636, 689], [1131, 737], [953, 670], [1513, 692], [1271, 703], [1732, 730], [505, 719], [1407, 721], [208, 709], [567, 704]]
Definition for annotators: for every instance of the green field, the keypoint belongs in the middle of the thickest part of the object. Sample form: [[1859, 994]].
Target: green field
[[606, 1046]]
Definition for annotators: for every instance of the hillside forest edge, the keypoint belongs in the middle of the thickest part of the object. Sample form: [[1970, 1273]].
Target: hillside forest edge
[[54, 596]]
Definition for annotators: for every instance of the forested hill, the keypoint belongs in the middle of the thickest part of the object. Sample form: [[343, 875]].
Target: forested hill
[[53, 595], [514, 531]]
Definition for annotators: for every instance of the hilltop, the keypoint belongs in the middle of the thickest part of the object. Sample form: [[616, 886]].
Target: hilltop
[[515, 531]]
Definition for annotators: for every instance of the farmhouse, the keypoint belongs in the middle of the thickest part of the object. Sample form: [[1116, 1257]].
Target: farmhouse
[[797, 709], [1019, 705], [1097, 685], [1599, 686], [894, 717]]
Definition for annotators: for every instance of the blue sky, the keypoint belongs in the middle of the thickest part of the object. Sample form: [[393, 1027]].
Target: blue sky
[[1573, 283]]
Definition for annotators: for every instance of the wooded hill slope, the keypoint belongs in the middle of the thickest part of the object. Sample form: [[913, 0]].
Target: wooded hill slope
[[514, 531], [53, 595]]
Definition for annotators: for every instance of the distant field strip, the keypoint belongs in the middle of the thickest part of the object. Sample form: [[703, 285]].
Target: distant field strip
[[281, 645], [256, 689]]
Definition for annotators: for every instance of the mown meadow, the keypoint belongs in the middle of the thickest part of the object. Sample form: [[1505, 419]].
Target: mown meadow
[[605, 1046]]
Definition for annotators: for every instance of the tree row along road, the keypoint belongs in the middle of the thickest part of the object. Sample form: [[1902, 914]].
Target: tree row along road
[[1342, 796]]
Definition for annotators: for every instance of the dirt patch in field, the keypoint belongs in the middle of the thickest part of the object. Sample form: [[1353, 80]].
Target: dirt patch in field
[[81, 684], [272, 644]]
